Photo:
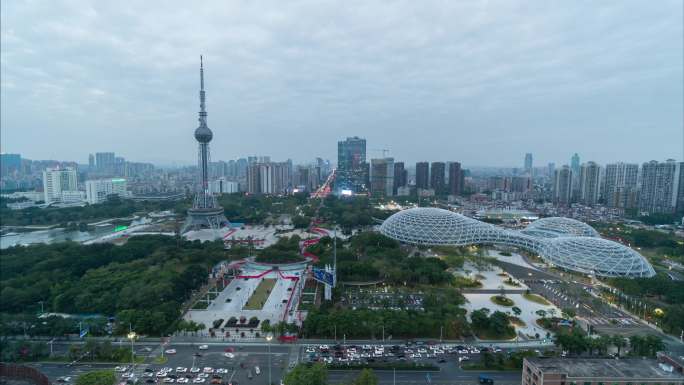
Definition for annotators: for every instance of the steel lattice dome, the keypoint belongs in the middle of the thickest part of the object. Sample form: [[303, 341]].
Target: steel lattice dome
[[560, 227], [431, 226], [564, 242], [596, 256]]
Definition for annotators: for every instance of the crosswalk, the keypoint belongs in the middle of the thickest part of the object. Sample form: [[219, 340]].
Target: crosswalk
[[623, 321]]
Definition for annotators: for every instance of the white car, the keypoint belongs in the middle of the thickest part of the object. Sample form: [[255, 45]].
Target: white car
[[170, 351], [203, 375], [121, 368], [194, 370], [169, 380], [182, 380], [221, 371], [161, 374], [229, 355], [203, 347], [464, 358], [181, 369], [198, 380], [257, 370], [208, 369]]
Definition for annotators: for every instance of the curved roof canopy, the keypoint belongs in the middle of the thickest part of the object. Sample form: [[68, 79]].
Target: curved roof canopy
[[564, 242]]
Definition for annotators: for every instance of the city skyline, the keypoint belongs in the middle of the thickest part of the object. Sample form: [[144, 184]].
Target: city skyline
[[417, 83]]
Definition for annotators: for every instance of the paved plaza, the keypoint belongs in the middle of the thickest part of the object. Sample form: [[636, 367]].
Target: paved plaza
[[232, 300]]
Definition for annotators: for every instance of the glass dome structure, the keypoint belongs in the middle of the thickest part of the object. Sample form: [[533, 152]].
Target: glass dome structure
[[563, 242]]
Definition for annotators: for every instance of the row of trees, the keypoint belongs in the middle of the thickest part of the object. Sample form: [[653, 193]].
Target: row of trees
[[576, 342], [317, 374]]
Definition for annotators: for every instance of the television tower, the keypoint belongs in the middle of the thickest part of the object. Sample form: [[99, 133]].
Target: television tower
[[205, 212]]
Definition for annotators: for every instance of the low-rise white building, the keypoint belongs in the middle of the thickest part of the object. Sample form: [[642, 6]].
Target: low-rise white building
[[98, 190]]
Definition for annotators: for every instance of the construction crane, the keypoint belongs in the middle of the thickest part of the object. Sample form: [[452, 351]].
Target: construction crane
[[385, 151]]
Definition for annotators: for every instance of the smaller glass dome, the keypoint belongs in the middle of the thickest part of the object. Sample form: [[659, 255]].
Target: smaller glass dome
[[553, 227]]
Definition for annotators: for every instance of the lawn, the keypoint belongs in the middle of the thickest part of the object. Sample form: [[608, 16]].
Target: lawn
[[536, 299], [501, 300], [260, 295]]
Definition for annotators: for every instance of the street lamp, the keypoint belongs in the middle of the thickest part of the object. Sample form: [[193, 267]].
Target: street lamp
[[269, 337], [131, 336]]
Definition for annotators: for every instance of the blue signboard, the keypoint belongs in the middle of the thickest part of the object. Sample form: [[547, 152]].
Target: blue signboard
[[323, 276]]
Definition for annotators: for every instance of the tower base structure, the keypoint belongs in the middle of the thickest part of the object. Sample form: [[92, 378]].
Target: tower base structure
[[205, 218]]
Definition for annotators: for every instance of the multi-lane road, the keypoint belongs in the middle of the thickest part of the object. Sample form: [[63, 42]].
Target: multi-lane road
[[246, 357]]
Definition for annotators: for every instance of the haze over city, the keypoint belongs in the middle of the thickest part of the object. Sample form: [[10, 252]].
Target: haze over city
[[479, 82]]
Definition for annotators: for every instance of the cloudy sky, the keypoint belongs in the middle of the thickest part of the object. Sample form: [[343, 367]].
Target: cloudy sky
[[482, 82]]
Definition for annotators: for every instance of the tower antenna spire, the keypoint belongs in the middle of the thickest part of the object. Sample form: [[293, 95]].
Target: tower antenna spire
[[203, 111]]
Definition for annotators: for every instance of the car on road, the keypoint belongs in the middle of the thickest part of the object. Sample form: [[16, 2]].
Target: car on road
[[199, 380], [483, 379], [229, 355], [121, 368], [203, 347], [64, 379], [182, 380], [170, 351]]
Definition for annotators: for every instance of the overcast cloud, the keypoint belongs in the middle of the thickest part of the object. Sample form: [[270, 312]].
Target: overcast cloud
[[480, 82]]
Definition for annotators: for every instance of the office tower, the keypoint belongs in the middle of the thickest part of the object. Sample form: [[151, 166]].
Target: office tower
[[10, 164], [528, 163], [205, 212], [422, 175], [551, 169], [589, 180], [575, 163], [660, 186], [455, 178], [91, 162], [98, 190], [562, 186], [382, 176], [400, 177], [352, 170], [58, 183], [437, 171], [620, 185], [680, 193], [105, 162]]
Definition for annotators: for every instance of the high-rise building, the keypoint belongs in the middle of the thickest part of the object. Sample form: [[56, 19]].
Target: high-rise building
[[422, 175], [520, 184], [575, 163], [98, 190], [437, 172], [620, 185], [91, 162], [205, 212], [57, 182], [590, 176], [105, 162], [352, 170], [269, 178], [575, 167], [455, 178], [528, 163], [10, 164], [382, 176], [562, 186], [400, 177], [551, 169], [660, 186]]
